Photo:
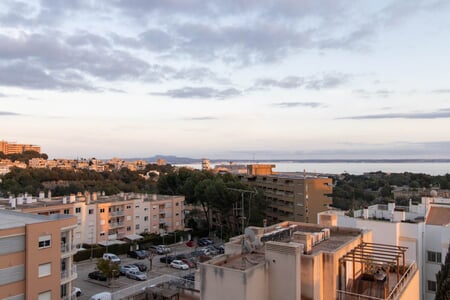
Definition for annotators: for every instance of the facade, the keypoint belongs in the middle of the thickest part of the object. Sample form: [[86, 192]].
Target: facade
[[206, 164], [290, 196], [423, 228], [108, 219], [36, 256], [293, 260], [14, 148]]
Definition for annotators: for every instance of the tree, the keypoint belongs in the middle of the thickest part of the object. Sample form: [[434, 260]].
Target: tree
[[108, 268], [443, 280]]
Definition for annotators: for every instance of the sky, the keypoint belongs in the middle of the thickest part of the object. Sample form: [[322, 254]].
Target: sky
[[231, 79]]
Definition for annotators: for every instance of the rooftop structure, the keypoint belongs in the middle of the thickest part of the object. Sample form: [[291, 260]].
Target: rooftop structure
[[293, 260]]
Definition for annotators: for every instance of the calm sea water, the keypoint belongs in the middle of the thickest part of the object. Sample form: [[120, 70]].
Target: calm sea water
[[355, 168]]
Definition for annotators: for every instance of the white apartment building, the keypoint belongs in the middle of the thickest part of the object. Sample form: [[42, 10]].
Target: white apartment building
[[424, 228]]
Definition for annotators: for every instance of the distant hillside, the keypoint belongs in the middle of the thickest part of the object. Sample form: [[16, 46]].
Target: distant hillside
[[170, 159]]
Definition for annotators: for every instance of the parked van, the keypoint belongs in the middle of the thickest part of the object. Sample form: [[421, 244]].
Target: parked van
[[102, 296], [112, 257]]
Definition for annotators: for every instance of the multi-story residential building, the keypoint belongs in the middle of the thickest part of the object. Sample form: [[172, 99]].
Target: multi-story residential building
[[36, 256], [108, 219], [423, 228], [293, 260], [13, 148], [290, 196]]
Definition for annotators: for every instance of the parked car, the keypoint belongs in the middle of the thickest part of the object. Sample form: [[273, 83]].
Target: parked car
[[76, 292], [178, 264], [170, 258], [189, 262], [204, 242], [190, 243], [139, 254], [112, 257], [126, 268], [140, 266], [97, 275], [160, 249], [137, 275]]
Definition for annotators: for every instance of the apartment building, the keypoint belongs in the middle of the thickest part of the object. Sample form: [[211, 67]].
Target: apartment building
[[36, 256], [108, 219], [423, 228], [13, 148], [294, 260], [291, 196]]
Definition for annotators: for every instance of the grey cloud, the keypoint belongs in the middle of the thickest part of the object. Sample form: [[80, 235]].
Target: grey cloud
[[441, 91], [297, 104], [157, 40], [87, 39], [200, 119], [439, 114], [381, 93], [200, 93], [8, 113], [26, 76], [199, 74], [314, 82]]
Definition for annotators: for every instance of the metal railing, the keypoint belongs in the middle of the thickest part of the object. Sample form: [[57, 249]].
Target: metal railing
[[68, 248], [396, 290]]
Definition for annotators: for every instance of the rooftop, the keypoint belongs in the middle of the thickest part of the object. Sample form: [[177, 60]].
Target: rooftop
[[13, 219], [438, 215]]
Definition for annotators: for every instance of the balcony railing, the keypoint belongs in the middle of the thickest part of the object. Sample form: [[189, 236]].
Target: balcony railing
[[116, 224], [66, 275], [117, 213], [68, 248]]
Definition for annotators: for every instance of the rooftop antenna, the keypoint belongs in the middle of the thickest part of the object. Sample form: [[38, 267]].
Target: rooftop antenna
[[242, 211]]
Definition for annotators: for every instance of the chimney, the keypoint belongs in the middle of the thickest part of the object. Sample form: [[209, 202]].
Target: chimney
[[49, 195], [64, 200], [72, 198], [94, 196], [41, 196]]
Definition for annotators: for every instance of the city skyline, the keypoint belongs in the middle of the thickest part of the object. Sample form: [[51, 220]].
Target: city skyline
[[227, 79]]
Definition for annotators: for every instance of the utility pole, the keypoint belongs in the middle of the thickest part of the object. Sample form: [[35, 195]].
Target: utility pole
[[242, 208]]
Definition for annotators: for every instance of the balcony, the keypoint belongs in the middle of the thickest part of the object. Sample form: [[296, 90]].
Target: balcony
[[117, 213], [67, 276], [67, 248], [113, 225]]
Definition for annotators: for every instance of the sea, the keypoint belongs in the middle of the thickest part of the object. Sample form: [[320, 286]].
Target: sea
[[356, 168]]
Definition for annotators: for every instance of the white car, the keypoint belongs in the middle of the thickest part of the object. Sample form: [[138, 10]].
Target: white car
[[178, 264], [125, 269], [112, 257], [76, 292], [138, 275]]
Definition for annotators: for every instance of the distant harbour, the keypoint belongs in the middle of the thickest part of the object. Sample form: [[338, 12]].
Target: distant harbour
[[356, 168]]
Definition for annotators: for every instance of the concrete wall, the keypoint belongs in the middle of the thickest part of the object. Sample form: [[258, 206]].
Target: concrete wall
[[411, 290], [225, 283], [284, 270]]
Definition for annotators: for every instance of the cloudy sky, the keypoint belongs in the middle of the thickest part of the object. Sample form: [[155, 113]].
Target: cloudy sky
[[227, 78]]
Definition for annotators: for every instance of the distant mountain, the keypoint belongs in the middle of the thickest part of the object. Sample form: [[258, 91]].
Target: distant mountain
[[170, 159]]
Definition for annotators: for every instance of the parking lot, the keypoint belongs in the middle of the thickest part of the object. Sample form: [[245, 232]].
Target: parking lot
[[90, 287]]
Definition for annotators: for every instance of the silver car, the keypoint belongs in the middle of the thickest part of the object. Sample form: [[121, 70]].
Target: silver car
[[137, 275]]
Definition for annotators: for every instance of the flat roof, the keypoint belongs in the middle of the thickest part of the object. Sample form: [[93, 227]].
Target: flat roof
[[14, 219], [438, 215]]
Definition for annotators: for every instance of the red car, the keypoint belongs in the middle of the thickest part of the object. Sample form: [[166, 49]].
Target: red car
[[189, 262], [191, 243]]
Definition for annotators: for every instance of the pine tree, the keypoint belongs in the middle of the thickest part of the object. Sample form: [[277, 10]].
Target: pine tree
[[443, 280]]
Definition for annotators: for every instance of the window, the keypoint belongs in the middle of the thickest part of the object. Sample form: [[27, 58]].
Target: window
[[137, 206], [45, 269], [102, 210], [145, 209], [146, 218], [77, 210], [102, 233], [137, 226], [177, 214], [91, 211], [137, 217], [66, 211], [434, 257], [45, 241], [176, 204], [128, 228], [431, 286], [128, 206], [45, 296]]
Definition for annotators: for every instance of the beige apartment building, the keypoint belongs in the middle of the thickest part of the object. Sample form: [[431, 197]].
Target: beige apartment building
[[107, 220], [36, 256], [293, 260], [290, 196], [13, 148]]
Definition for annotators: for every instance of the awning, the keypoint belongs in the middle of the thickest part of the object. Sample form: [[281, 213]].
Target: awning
[[133, 237], [111, 242]]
